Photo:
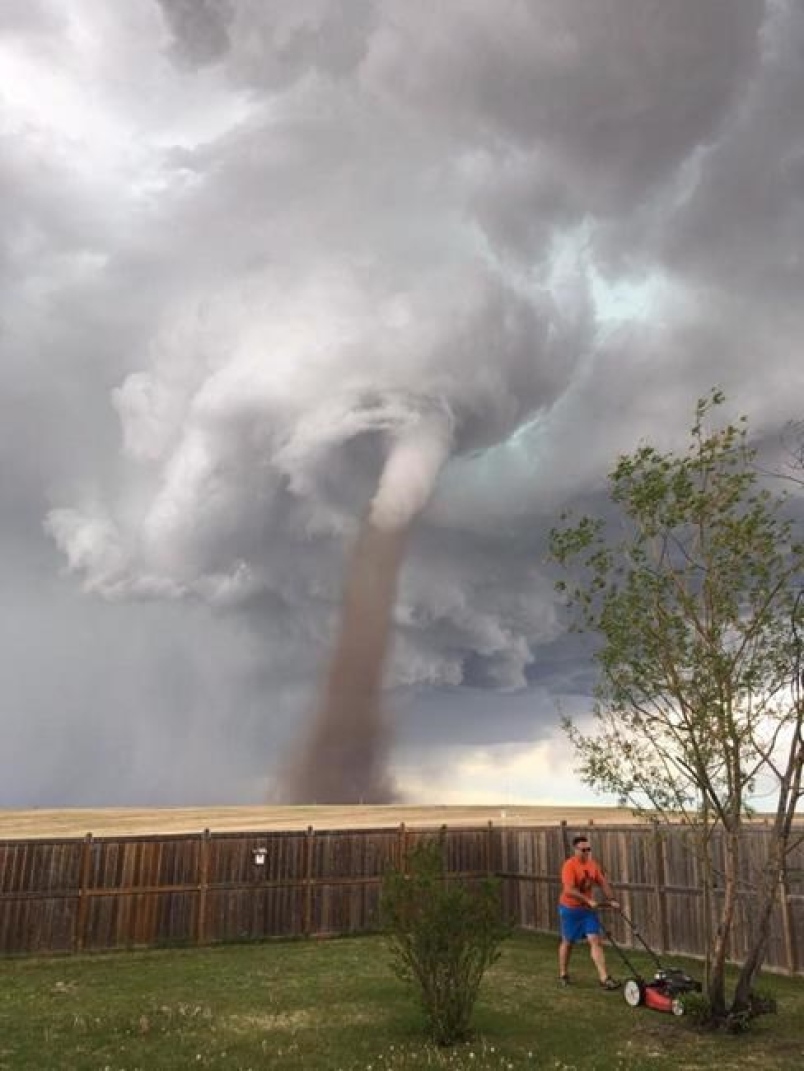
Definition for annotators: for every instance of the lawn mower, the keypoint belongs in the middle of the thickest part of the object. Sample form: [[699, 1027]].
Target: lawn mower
[[664, 992]]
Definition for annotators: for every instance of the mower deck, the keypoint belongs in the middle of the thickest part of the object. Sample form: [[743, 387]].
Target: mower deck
[[665, 991]]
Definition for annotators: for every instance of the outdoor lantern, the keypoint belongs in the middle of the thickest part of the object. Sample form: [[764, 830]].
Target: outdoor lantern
[[260, 855]]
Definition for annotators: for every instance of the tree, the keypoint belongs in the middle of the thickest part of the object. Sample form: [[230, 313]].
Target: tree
[[444, 935], [695, 601]]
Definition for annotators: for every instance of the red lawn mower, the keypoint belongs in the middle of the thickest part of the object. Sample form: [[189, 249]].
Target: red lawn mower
[[663, 992]]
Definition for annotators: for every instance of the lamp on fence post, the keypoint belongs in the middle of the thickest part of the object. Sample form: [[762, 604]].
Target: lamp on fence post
[[259, 855]]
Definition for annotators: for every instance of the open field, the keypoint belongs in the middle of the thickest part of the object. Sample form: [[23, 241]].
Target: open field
[[120, 821], [336, 1006]]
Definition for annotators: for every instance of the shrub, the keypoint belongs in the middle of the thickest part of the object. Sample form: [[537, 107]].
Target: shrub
[[762, 1002], [697, 1008], [443, 934]]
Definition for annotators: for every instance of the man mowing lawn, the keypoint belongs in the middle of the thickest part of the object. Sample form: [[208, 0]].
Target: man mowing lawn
[[576, 911]]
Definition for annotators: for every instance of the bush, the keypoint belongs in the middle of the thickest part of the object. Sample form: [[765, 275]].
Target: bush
[[697, 1008], [762, 1002], [443, 936]]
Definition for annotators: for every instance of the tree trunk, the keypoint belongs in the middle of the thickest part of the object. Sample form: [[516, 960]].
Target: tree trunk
[[756, 955], [789, 797], [716, 990], [766, 901]]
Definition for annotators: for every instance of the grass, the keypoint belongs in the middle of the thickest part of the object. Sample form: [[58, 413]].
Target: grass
[[335, 1005]]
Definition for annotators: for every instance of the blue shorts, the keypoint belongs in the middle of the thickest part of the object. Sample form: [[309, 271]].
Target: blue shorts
[[578, 923]]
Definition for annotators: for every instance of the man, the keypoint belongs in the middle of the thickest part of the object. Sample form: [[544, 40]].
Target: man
[[576, 910]]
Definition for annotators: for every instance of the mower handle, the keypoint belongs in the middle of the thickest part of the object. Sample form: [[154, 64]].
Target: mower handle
[[632, 926]]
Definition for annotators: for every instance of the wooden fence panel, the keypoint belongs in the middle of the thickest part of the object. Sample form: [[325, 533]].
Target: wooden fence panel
[[37, 925], [147, 891], [345, 909], [253, 886], [138, 892], [254, 859], [530, 864], [141, 862], [466, 851], [346, 876], [38, 895], [39, 866], [685, 921], [246, 914], [140, 920], [353, 855]]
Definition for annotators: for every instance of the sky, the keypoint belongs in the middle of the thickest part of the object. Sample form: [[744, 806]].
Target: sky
[[243, 243]]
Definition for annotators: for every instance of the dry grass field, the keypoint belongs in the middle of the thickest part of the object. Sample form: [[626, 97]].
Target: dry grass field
[[122, 821]]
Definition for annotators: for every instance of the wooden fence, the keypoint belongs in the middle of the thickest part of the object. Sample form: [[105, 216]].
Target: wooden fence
[[100, 893]]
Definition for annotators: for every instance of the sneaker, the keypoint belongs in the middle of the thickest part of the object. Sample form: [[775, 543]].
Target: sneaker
[[610, 983], [563, 980]]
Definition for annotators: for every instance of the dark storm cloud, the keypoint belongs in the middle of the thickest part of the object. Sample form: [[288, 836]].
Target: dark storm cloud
[[245, 243], [744, 217], [200, 27]]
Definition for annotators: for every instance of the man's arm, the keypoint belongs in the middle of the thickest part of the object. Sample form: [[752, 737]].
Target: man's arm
[[576, 894]]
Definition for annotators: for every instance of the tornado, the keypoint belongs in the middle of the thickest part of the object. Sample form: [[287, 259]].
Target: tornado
[[344, 756]]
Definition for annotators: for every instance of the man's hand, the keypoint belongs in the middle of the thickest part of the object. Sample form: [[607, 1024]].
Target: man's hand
[[614, 903]]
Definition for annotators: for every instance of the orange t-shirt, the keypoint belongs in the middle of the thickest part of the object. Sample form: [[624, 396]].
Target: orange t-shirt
[[580, 875]]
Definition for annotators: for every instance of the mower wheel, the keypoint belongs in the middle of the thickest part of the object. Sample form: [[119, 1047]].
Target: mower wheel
[[677, 1007], [634, 992]]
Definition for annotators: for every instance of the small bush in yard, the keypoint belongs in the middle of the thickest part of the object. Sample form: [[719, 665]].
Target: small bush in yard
[[444, 935], [762, 1002], [698, 1011], [697, 1008]]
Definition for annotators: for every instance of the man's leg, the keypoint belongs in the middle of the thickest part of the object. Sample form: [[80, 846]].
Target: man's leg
[[564, 950], [598, 956]]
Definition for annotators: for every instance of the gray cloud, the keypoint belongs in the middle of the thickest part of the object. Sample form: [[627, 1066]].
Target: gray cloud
[[36, 18], [200, 27], [246, 243]]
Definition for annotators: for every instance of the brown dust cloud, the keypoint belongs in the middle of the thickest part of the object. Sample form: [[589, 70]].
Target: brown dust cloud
[[344, 758]]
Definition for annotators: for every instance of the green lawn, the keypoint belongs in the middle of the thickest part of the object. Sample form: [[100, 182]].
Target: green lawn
[[335, 1004]]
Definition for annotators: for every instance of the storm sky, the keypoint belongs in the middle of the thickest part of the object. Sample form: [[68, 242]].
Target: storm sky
[[245, 244]]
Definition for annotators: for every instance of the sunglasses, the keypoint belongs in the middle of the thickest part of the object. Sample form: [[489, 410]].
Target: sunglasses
[[585, 849]]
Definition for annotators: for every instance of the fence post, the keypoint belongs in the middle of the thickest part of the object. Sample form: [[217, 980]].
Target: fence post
[[565, 844], [659, 885], [489, 848], [203, 884], [787, 924], [624, 875], [402, 848], [308, 881], [79, 938]]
